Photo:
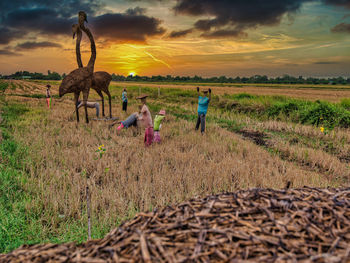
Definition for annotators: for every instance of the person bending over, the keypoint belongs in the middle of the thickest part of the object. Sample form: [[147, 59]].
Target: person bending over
[[203, 103], [90, 104], [130, 121]]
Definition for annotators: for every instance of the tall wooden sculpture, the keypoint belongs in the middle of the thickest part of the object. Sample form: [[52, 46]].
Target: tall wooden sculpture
[[81, 79], [101, 79]]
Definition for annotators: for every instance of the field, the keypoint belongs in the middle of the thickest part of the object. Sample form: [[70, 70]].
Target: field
[[261, 136]]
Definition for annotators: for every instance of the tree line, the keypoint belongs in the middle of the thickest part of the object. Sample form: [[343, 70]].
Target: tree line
[[29, 75], [285, 79]]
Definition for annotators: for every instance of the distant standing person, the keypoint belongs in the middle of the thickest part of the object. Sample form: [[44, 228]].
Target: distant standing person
[[48, 96], [146, 120], [203, 103], [125, 100]]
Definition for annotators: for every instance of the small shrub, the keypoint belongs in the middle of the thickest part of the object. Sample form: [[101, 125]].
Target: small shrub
[[325, 113], [240, 96], [3, 86], [286, 108], [345, 103]]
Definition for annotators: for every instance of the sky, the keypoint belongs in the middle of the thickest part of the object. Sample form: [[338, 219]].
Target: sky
[[180, 37]]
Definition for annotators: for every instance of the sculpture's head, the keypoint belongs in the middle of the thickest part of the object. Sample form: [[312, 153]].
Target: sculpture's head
[[66, 85], [82, 17], [75, 29]]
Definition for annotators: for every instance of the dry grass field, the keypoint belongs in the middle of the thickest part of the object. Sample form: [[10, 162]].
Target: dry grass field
[[61, 158]]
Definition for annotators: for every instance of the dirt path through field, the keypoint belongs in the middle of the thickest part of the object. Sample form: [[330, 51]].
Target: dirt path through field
[[303, 92]]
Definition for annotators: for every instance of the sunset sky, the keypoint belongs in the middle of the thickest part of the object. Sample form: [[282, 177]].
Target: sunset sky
[[180, 37]]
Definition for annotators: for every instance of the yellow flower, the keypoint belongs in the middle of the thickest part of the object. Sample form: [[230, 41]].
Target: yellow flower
[[103, 145], [322, 129]]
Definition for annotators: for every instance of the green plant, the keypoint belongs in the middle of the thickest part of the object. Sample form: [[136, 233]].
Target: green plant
[[345, 103], [3, 86], [327, 114], [101, 150], [240, 96]]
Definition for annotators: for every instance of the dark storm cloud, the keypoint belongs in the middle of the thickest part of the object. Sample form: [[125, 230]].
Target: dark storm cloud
[[344, 3], [224, 33], [5, 52], [42, 20], [232, 18], [149, 1], [239, 14], [326, 62], [126, 27], [65, 8], [20, 17], [180, 33], [54, 18], [7, 35], [135, 11], [341, 28], [35, 45]]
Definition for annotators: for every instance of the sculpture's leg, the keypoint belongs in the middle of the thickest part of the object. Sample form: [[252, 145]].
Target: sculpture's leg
[[103, 101], [110, 103], [85, 98], [76, 97]]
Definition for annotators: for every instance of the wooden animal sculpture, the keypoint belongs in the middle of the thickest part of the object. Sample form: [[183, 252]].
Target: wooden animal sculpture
[[80, 80], [101, 79]]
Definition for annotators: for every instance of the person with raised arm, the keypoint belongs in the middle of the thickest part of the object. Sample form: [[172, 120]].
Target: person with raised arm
[[203, 103]]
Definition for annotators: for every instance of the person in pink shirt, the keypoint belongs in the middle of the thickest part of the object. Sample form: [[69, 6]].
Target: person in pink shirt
[[48, 96], [145, 119]]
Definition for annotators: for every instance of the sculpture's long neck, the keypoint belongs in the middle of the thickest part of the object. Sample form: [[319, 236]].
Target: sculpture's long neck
[[91, 63], [77, 48]]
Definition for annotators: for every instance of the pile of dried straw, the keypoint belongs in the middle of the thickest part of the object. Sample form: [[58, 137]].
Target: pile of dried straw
[[307, 224]]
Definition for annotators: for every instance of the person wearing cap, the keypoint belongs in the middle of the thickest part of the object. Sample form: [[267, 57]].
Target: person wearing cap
[[157, 125], [146, 120], [48, 96], [125, 100], [203, 103]]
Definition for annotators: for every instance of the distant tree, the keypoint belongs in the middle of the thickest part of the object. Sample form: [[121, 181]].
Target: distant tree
[[237, 79], [222, 79], [55, 76], [244, 79]]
